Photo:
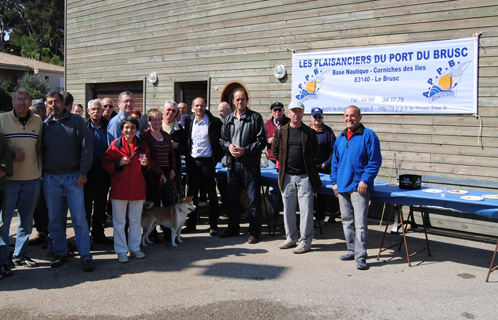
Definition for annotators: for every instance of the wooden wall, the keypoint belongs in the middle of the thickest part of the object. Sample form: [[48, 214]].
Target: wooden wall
[[242, 40]]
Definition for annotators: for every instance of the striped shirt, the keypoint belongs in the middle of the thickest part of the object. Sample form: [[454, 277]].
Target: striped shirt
[[162, 152]]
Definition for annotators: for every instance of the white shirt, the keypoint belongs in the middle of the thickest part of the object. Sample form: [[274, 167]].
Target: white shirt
[[201, 147]]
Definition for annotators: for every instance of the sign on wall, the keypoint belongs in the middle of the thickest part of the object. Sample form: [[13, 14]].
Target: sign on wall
[[427, 77]]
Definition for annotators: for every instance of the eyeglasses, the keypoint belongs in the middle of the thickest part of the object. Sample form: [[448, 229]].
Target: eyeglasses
[[108, 106], [318, 116], [277, 109], [22, 100], [171, 110], [53, 102]]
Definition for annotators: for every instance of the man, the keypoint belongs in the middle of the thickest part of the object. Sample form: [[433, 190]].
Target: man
[[277, 120], [203, 153], [5, 170], [68, 100], [38, 108], [294, 146], [98, 180], [126, 104], [323, 160], [177, 133], [243, 138], [182, 110], [68, 153], [355, 164], [224, 110], [22, 130], [108, 109]]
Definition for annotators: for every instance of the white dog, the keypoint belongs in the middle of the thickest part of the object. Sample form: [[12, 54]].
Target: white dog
[[172, 217]]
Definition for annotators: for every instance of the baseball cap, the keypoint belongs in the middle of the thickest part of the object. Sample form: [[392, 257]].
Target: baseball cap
[[296, 104], [316, 111], [276, 105]]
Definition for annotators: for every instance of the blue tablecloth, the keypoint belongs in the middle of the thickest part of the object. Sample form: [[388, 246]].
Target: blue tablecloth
[[395, 195]]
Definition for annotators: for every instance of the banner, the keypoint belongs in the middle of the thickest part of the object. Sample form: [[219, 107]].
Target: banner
[[426, 77]]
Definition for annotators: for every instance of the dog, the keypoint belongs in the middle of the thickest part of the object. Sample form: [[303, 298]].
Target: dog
[[172, 217]]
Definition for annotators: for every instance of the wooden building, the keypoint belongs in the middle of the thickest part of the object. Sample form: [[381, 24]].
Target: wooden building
[[207, 47]]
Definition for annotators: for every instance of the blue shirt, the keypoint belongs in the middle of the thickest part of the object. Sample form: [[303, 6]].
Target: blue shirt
[[99, 139], [113, 130]]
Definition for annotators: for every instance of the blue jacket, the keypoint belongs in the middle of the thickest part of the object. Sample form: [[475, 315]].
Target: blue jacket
[[326, 141], [358, 159]]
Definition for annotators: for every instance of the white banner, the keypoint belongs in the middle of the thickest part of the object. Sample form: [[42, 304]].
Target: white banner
[[426, 77]]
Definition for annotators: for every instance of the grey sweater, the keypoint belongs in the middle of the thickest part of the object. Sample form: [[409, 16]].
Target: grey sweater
[[66, 145]]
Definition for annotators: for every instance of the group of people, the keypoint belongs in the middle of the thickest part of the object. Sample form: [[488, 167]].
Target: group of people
[[70, 164]]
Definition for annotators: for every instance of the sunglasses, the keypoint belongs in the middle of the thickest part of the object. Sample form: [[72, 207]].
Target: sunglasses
[[108, 106], [318, 116], [277, 109]]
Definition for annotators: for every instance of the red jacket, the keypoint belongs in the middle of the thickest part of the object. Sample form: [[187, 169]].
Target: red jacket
[[127, 182]]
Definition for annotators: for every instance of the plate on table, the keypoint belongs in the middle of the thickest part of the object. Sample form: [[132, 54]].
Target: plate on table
[[472, 198], [490, 196], [392, 184], [432, 190], [458, 191]]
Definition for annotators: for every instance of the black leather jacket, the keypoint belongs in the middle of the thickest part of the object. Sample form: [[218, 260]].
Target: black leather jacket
[[253, 137]]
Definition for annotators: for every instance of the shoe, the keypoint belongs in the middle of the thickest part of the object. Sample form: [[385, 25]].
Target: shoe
[[102, 240], [39, 239], [71, 247], [202, 204], [138, 254], [227, 234], [213, 232], [189, 228], [50, 254], [287, 244], [253, 239], [301, 248], [87, 265], [348, 256], [44, 244], [58, 261], [155, 239], [361, 264], [26, 262], [123, 257], [5, 270], [319, 223]]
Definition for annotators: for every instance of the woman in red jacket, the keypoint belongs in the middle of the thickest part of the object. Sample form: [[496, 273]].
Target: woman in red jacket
[[127, 161]]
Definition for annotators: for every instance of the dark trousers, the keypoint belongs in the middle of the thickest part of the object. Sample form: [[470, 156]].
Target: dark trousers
[[41, 215], [167, 189], [250, 177], [205, 168], [95, 190]]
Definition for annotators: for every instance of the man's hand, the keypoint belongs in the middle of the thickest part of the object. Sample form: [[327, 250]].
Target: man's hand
[[2, 174], [324, 166], [81, 180], [334, 187], [236, 151], [162, 179], [174, 145], [270, 140], [18, 154], [362, 187]]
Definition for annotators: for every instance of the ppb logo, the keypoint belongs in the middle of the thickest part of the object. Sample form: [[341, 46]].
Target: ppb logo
[[445, 84], [310, 88]]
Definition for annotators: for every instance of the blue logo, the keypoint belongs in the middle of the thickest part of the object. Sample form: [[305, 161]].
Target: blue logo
[[445, 84], [311, 86]]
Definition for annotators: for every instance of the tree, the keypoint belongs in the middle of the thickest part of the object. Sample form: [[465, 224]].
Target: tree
[[9, 17], [37, 88]]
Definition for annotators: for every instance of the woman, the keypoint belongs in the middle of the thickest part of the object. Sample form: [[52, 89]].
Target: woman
[[127, 161], [162, 160]]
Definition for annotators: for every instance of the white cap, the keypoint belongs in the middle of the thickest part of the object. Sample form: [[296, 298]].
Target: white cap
[[296, 104]]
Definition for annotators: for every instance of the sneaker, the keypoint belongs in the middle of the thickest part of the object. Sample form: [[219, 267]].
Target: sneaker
[[301, 248], [123, 257], [138, 254], [58, 261], [287, 244], [348, 256], [87, 265], [26, 262], [5, 270], [361, 264]]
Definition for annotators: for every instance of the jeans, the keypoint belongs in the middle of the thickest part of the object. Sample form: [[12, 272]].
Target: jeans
[[274, 192], [354, 211], [250, 177], [23, 195], [119, 209], [55, 187], [298, 188], [205, 168]]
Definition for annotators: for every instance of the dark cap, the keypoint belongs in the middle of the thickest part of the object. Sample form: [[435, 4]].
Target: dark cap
[[276, 105], [316, 111]]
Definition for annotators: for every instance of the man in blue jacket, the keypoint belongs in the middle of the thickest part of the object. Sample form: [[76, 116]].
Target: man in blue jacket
[[355, 164]]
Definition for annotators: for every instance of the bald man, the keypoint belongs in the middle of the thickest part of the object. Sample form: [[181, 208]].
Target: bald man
[[224, 109]]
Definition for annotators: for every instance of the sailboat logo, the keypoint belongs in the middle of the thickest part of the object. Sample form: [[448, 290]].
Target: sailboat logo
[[447, 84], [311, 87]]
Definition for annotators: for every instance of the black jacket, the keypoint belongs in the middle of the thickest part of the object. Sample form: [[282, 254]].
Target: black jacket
[[253, 137], [214, 132]]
